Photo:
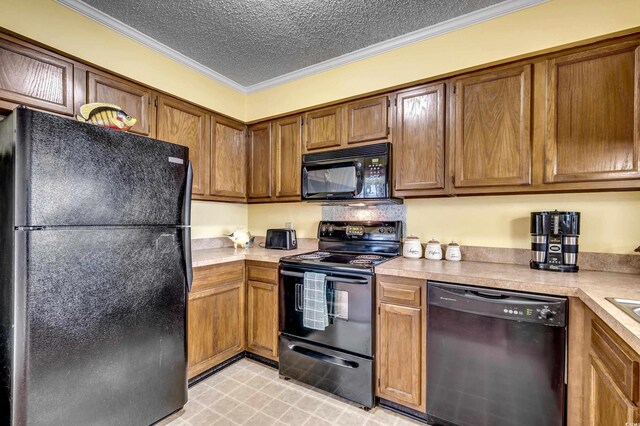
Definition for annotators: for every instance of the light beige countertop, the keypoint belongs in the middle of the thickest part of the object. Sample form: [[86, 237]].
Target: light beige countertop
[[590, 286], [204, 257]]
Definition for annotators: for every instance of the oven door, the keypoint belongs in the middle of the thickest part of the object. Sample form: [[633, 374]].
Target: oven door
[[349, 304], [332, 180]]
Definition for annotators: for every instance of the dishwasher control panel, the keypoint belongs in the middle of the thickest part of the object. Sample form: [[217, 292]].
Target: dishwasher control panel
[[497, 303]]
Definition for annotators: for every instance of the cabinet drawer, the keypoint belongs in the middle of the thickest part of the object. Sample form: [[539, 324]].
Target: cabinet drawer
[[205, 277], [407, 292], [263, 274], [618, 358]]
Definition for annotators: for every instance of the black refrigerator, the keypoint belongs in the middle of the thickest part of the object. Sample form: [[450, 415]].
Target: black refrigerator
[[95, 267]]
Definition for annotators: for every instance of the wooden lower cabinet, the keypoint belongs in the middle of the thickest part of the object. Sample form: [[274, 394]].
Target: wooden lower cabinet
[[608, 404], [262, 309], [604, 384], [401, 342], [215, 316]]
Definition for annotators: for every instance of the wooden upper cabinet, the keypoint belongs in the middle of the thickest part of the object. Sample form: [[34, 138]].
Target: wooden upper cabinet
[[260, 154], [367, 120], [492, 128], [288, 156], [228, 159], [135, 100], [593, 105], [34, 78], [184, 124], [419, 140], [323, 128]]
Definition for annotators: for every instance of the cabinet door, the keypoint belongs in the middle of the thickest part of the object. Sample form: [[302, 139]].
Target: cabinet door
[[133, 99], [262, 319], [34, 78], [593, 109], [608, 404], [184, 124], [493, 128], [228, 159], [260, 162], [323, 128], [287, 146], [400, 353], [215, 326], [367, 120], [419, 140]]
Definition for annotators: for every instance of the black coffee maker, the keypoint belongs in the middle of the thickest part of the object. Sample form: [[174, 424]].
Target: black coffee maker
[[554, 241]]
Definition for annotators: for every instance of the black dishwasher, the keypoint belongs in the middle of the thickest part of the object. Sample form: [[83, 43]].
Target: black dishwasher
[[495, 357]]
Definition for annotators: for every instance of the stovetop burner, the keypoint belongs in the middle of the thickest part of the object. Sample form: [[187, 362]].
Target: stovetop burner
[[316, 255], [325, 257]]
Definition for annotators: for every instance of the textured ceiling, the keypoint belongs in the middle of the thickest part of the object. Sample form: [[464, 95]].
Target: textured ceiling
[[255, 40]]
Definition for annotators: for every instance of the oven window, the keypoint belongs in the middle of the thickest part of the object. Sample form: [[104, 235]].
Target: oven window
[[334, 180]]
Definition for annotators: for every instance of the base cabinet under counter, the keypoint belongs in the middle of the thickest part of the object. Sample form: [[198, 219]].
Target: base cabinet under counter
[[262, 309], [215, 316], [401, 341]]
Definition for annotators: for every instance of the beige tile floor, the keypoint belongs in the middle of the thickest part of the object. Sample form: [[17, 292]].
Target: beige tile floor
[[250, 393]]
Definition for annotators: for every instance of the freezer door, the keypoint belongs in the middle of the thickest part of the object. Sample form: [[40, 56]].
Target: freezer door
[[76, 174], [99, 327]]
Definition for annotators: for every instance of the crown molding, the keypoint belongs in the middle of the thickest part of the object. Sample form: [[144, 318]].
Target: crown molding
[[453, 24]]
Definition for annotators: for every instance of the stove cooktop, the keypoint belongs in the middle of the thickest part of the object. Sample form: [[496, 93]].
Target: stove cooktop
[[358, 260]]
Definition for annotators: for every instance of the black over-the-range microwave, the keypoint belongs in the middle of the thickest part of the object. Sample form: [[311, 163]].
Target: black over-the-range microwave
[[360, 175]]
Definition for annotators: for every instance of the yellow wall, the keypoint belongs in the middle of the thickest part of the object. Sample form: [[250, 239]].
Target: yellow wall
[[547, 25], [610, 222], [61, 28], [214, 219]]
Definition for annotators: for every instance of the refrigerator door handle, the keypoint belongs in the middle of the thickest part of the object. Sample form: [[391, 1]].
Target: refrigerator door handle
[[186, 230]]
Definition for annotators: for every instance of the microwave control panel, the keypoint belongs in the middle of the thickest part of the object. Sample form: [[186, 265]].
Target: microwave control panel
[[375, 177]]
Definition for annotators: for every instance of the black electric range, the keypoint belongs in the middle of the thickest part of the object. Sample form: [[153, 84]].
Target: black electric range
[[337, 358], [351, 245]]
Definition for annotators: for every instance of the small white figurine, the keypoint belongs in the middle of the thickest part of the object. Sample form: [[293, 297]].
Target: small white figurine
[[241, 238]]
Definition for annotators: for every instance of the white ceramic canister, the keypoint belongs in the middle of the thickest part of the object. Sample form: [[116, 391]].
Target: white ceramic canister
[[433, 250], [453, 252], [412, 247]]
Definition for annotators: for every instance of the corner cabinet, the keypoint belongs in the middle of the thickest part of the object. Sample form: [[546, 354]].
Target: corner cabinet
[[593, 104], [260, 153], [215, 316], [228, 160], [262, 309], [491, 127], [401, 341], [613, 379], [419, 141]]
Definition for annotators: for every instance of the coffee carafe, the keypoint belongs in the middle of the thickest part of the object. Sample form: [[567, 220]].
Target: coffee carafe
[[554, 241]]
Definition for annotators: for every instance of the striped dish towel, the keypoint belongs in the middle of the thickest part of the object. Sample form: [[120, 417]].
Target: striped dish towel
[[314, 312]]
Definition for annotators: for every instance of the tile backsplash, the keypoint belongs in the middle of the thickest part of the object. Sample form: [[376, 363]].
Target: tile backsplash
[[383, 212]]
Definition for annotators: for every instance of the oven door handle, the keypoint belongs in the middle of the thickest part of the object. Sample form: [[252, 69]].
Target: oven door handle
[[328, 278], [340, 362]]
